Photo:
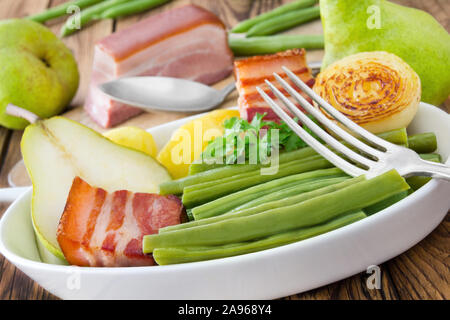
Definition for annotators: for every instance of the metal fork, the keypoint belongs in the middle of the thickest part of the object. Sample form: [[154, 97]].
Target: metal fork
[[371, 160]]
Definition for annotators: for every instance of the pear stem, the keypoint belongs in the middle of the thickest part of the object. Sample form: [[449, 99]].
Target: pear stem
[[16, 111]]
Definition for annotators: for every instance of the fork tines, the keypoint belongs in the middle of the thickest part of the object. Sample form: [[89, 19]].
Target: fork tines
[[361, 164]]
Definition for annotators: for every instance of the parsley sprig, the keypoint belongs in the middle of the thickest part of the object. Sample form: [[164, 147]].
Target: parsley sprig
[[241, 138]]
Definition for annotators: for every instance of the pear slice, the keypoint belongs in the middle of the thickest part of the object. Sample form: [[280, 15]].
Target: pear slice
[[58, 149]]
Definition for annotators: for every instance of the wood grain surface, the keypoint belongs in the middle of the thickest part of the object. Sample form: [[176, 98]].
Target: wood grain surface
[[420, 273]]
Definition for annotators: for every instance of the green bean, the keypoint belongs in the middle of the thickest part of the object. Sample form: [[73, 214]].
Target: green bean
[[305, 214], [435, 157], [284, 22], [293, 191], [177, 186], [132, 7], [61, 10], [203, 192], [164, 256], [86, 16], [201, 166], [272, 44], [245, 25], [423, 142], [233, 200], [397, 136], [385, 203], [189, 215], [418, 182], [316, 188]]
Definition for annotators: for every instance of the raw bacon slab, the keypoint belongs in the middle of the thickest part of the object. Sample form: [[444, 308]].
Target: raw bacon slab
[[252, 72], [187, 42], [100, 229]]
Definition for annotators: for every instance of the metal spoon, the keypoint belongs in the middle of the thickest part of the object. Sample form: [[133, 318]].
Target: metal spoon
[[166, 94], [169, 94]]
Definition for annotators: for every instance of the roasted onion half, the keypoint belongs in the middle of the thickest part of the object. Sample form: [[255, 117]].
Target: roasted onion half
[[377, 90]]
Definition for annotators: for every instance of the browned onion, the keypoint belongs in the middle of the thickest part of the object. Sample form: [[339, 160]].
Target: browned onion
[[377, 90]]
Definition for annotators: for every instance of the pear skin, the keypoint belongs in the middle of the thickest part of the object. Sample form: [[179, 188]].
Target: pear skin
[[378, 25], [39, 73]]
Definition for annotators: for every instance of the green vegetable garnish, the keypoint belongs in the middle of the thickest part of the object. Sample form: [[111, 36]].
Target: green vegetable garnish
[[242, 138]]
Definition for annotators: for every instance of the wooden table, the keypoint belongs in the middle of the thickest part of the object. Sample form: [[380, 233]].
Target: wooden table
[[420, 273]]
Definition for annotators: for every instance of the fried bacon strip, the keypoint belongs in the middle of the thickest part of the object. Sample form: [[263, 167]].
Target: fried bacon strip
[[101, 229], [251, 73]]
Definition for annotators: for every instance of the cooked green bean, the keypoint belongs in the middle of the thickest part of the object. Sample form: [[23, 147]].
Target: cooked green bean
[[234, 200], [132, 7], [177, 186], [305, 214], [316, 188], [245, 25], [189, 215], [61, 10], [423, 142], [294, 191], [435, 157], [272, 44], [284, 22], [203, 192], [417, 182], [385, 203], [201, 166], [164, 256], [397, 136], [87, 15]]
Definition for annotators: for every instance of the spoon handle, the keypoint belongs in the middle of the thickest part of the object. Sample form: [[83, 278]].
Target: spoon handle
[[228, 89]]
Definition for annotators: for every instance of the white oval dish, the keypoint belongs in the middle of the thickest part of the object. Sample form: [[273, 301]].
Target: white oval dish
[[267, 274]]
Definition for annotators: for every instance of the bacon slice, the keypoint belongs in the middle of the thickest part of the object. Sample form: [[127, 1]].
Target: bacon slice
[[251, 73], [101, 229], [187, 42]]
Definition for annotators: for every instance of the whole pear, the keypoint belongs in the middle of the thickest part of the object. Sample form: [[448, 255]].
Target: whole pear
[[38, 72], [352, 26]]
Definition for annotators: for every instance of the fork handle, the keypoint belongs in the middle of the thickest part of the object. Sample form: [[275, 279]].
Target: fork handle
[[432, 169]]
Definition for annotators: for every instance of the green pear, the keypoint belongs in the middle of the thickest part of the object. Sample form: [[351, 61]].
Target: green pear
[[352, 26], [57, 150], [38, 72]]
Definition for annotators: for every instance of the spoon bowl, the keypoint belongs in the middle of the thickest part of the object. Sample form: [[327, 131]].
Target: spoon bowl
[[165, 94]]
